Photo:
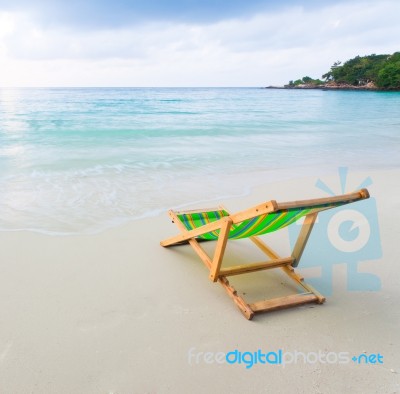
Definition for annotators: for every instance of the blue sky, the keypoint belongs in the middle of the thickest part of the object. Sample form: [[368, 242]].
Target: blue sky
[[187, 42]]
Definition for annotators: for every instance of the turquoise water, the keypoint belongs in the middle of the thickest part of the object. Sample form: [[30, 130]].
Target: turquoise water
[[81, 160]]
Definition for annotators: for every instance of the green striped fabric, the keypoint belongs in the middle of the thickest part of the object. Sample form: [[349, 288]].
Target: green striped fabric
[[251, 227], [198, 219]]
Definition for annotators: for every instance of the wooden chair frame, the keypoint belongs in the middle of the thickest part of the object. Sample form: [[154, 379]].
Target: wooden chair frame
[[287, 264]]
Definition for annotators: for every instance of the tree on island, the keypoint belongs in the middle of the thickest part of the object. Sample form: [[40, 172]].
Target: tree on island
[[306, 81], [381, 71], [389, 75]]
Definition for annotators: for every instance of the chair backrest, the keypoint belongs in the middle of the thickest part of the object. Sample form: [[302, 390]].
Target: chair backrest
[[267, 217]]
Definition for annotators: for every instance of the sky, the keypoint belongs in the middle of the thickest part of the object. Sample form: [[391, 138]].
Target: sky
[[187, 43]]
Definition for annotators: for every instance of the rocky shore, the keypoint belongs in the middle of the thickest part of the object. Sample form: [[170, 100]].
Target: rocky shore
[[330, 86]]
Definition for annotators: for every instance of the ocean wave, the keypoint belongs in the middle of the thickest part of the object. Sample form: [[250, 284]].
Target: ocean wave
[[76, 161]]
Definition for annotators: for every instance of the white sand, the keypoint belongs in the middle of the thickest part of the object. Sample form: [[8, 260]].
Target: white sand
[[117, 313]]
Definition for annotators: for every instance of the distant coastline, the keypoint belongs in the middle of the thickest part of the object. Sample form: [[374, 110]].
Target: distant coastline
[[333, 86], [330, 86], [366, 73]]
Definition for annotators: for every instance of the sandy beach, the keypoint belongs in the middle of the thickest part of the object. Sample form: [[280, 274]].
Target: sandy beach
[[116, 313]]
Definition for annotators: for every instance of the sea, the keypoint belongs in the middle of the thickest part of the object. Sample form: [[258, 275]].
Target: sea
[[82, 160]]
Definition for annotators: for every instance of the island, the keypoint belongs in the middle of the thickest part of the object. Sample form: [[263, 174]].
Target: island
[[373, 72]]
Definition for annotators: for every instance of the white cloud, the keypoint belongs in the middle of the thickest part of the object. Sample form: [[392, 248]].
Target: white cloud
[[265, 49], [7, 24]]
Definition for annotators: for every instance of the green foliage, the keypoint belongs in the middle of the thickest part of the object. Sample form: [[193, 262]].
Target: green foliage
[[383, 70], [305, 80], [389, 75]]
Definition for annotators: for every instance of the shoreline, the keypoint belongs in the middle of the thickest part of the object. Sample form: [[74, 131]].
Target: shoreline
[[238, 186], [330, 87]]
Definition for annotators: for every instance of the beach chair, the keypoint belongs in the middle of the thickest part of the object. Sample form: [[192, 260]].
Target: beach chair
[[219, 225]]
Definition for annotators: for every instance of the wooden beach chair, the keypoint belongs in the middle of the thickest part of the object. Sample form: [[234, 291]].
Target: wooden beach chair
[[220, 226]]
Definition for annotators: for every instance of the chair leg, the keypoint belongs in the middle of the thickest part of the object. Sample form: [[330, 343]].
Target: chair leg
[[302, 239], [220, 250], [265, 248], [246, 310], [300, 280]]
